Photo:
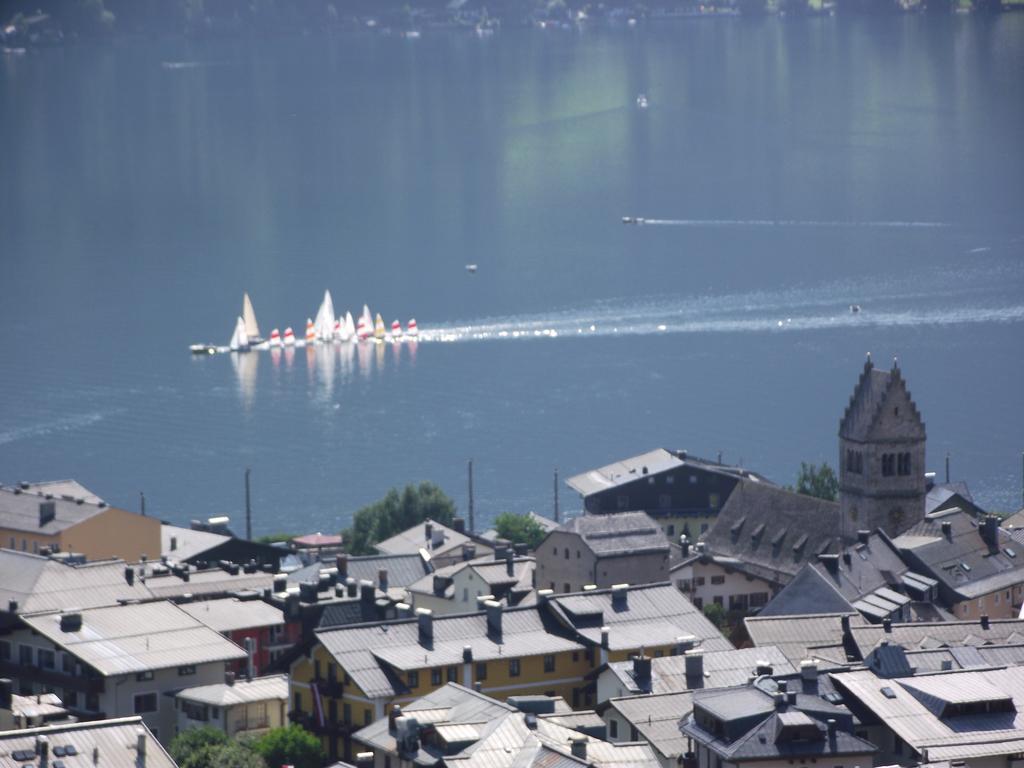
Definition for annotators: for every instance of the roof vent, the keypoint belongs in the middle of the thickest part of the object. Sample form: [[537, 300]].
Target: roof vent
[[70, 622]]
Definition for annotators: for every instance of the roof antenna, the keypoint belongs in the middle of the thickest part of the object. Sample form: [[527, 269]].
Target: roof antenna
[[472, 521], [248, 507], [557, 513], [142, 503]]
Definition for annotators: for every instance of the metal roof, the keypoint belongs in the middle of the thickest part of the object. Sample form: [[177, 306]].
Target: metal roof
[[135, 638], [230, 614], [183, 544], [656, 718], [912, 720], [412, 540], [114, 741], [625, 471], [403, 569], [213, 581], [803, 637], [934, 634], [20, 511], [650, 615], [69, 490], [41, 584], [242, 691], [721, 669], [619, 533]]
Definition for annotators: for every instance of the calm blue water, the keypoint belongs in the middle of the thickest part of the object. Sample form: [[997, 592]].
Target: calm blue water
[[795, 168]]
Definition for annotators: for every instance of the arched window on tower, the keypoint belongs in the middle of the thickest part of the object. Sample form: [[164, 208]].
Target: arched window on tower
[[888, 464], [903, 467]]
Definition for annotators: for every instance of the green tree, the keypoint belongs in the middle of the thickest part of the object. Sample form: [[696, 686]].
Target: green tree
[[816, 481], [396, 512], [192, 748], [715, 613], [290, 745], [519, 529], [275, 538]]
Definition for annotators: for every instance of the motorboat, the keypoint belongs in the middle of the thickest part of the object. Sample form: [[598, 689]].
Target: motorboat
[[202, 349], [471, 268], [855, 308], [641, 101]]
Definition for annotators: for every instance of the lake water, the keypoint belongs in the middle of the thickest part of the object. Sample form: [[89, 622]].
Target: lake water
[[794, 168]]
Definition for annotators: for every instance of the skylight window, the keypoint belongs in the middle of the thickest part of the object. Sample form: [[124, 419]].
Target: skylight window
[[888, 692]]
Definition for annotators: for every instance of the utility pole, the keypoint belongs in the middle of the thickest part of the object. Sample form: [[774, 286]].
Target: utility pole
[[947, 467], [472, 521], [142, 503], [248, 507], [558, 514]]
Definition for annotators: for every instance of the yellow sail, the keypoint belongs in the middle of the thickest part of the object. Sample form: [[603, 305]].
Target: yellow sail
[[378, 327]]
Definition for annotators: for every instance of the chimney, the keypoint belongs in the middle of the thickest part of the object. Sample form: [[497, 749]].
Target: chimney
[[989, 528], [309, 591], [468, 551], [947, 530], [280, 582], [763, 668], [367, 593], [887, 625], [43, 750], [863, 536], [579, 747], [364, 760], [684, 643], [984, 622], [291, 606], [428, 530], [351, 587], [459, 524], [129, 575], [481, 601], [437, 538], [521, 549], [250, 650], [510, 565], [425, 619], [501, 547], [844, 622], [808, 669], [831, 562], [620, 596], [493, 608], [394, 714], [403, 610], [382, 579], [47, 512], [684, 544], [779, 699], [467, 654], [543, 595], [694, 668], [6, 688], [12, 606], [642, 671], [70, 622], [605, 634], [174, 543], [830, 726], [341, 563], [229, 678]]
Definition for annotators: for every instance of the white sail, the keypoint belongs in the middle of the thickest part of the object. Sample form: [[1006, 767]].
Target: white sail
[[252, 329], [325, 318], [348, 328], [239, 339], [367, 317]]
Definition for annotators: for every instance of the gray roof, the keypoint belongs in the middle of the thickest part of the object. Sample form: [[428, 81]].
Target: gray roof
[[936, 634], [242, 691], [492, 572], [177, 543], [772, 532], [911, 707], [635, 468], [69, 490], [412, 540], [803, 637], [135, 638], [213, 581], [229, 614], [403, 569], [721, 669], [114, 740], [368, 653], [808, 593], [41, 584], [44, 705], [656, 719], [964, 562], [652, 615], [618, 534], [20, 511], [945, 494]]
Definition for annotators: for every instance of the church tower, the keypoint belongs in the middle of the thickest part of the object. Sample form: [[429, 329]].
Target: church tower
[[881, 455]]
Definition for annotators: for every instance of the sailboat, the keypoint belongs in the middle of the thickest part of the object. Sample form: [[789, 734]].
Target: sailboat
[[367, 319], [396, 331], [324, 325], [239, 339], [412, 329], [348, 328], [378, 328], [252, 328], [289, 337], [275, 338], [310, 331], [362, 331]]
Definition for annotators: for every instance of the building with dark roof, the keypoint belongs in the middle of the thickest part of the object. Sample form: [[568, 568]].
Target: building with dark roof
[[682, 492], [978, 565], [602, 550], [47, 517], [764, 723], [202, 547], [761, 539], [881, 454], [870, 577]]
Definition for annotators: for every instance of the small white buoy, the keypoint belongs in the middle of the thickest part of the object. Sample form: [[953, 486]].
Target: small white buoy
[[593, 328], [662, 328]]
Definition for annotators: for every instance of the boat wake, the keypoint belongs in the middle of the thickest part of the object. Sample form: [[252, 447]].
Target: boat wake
[[66, 424], [792, 223]]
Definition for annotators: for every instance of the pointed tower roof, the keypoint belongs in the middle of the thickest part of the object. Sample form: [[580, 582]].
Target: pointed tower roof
[[875, 389]]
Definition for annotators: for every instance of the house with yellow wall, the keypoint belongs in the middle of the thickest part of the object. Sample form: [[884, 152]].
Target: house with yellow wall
[[353, 674], [64, 517]]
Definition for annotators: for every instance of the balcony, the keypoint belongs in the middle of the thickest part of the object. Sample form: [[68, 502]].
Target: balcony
[[51, 677]]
